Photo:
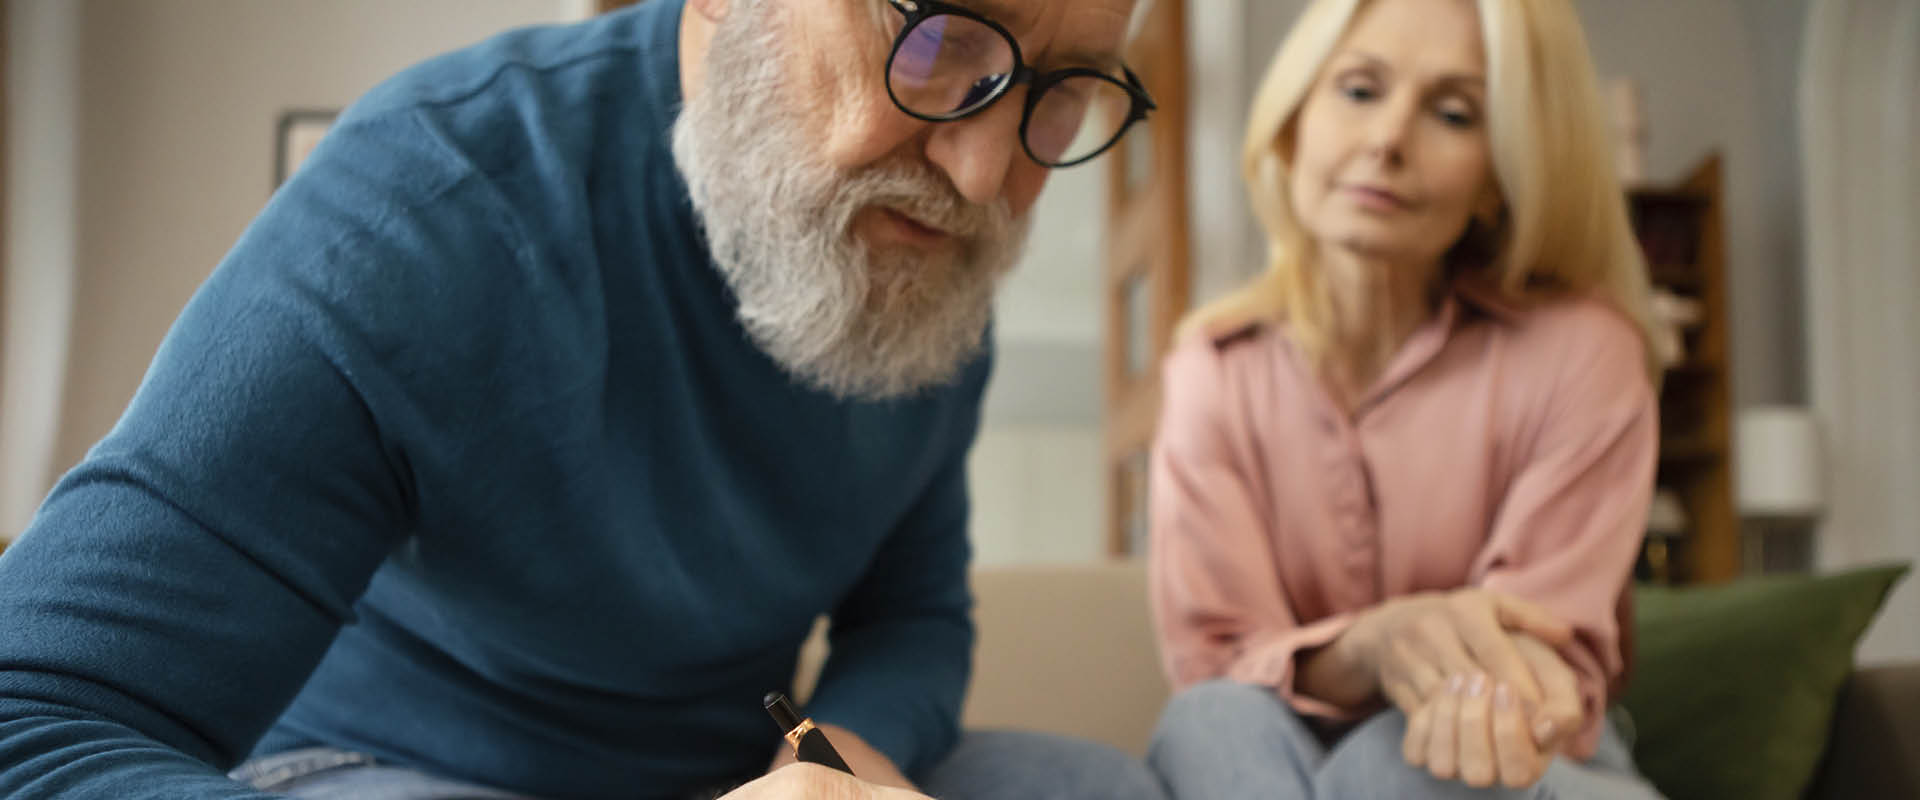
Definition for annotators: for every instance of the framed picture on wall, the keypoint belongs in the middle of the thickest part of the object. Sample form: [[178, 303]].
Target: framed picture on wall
[[296, 135]]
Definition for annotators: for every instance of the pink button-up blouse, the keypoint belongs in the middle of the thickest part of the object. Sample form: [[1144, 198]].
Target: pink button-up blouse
[[1507, 448]]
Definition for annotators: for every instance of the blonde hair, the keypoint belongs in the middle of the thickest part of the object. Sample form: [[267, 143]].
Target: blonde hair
[[1566, 230]]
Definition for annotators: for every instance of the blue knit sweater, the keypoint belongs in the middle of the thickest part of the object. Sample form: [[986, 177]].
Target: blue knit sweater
[[461, 459]]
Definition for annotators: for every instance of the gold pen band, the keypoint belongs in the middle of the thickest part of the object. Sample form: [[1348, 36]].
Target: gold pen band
[[793, 736]]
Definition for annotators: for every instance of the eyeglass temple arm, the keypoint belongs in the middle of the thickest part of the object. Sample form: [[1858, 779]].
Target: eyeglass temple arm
[[1140, 88]]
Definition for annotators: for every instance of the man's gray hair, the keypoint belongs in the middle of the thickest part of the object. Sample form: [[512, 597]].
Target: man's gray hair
[[1140, 10]]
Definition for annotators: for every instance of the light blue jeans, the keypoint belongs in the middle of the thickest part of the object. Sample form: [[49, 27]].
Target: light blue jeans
[[1221, 740], [1003, 765]]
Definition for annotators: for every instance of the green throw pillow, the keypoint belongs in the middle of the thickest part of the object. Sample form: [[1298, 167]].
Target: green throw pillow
[[1733, 686]]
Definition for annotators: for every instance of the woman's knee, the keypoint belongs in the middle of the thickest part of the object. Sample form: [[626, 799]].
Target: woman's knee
[[1220, 707], [1370, 762], [1231, 740], [1214, 724]]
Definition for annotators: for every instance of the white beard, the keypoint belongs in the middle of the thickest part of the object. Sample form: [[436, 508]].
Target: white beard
[[859, 322]]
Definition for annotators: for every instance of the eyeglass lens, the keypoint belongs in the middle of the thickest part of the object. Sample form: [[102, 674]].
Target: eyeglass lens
[[949, 66]]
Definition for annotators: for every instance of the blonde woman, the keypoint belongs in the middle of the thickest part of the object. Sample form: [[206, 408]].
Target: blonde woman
[[1401, 477]]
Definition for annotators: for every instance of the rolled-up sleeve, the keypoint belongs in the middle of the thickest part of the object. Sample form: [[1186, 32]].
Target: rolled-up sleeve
[[1567, 531], [1219, 604]]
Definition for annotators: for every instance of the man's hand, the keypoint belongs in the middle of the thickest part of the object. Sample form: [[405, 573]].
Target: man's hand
[[868, 763], [815, 782]]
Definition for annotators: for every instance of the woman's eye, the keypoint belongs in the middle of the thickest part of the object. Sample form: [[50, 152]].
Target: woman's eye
[[1456, 115], [1359, 93]]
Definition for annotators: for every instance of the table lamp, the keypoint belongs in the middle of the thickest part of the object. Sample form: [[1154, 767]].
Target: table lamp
[[1780, 480]]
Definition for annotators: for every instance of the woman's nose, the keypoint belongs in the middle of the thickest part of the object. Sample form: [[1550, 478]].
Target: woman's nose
[[1390, 130]]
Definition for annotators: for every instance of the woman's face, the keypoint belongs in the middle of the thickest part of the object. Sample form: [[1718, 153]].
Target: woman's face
[[1390, 155]]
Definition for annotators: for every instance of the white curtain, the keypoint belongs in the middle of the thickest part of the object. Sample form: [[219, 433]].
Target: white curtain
[[1860, 127]]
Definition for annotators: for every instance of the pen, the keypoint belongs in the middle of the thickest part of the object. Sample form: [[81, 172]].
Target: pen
[[809, 743]]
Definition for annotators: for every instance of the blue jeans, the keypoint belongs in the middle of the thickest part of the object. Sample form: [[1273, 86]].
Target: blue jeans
[[1231, 740], [1004, 765]]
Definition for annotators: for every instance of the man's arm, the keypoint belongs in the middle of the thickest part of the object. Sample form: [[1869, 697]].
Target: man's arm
[[867, 763], [902, 641], [177, 588]]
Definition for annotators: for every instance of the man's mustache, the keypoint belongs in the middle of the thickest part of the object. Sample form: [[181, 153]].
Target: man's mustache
[[925, 194]]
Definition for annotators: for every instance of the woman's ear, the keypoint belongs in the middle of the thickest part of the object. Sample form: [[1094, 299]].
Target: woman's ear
[[713, 10]]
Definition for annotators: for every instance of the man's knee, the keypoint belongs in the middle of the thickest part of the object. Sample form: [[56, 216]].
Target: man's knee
[[1017, 765]]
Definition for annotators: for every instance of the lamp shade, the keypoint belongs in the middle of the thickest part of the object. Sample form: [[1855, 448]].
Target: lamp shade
[[1780, 465]]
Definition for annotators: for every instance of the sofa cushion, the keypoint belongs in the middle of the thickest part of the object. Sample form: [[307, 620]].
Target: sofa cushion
[[1060, 649], [1734, 685], [1066, 649]]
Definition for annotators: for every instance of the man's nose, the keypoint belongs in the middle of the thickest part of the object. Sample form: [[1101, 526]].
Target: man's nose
[[977, 152]]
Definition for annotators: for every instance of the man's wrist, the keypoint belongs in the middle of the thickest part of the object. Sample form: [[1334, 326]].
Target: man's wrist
[[868, 763]]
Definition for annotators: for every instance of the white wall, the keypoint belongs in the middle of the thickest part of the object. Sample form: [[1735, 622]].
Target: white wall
[[1037, 494], [172, 107], [1721, 75], [38, 282], [1035, 471], [1860, 116]]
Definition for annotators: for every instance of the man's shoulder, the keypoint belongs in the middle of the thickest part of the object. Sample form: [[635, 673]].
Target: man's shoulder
[[528, 64], [545, 99], [476, 169]]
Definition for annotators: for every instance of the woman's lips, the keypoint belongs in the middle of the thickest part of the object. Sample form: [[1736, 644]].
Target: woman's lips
[[1377, 198]]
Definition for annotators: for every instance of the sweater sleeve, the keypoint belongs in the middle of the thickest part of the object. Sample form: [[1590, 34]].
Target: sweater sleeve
[[1219, 608], [177, 588], [1566, 534], [901, 643]]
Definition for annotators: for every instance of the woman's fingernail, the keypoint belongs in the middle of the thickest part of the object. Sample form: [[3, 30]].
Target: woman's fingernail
[[1543, 730], [1502, 697], [1478, 686], [1456, 683]]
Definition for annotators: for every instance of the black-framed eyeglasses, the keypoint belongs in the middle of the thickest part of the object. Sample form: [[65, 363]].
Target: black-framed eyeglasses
[[950, 63]]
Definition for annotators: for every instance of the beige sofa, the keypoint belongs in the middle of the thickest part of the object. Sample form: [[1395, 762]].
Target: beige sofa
[[1066, 649], [1070, 649], [1063, 649]]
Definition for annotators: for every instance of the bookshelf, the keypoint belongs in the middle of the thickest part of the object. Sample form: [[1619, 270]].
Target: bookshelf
[[1681, 230]]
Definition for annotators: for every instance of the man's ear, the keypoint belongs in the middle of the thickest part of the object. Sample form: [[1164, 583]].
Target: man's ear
[[713, 10]]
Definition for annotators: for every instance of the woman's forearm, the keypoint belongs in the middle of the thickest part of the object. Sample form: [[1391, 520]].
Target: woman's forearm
[[1338, 672]]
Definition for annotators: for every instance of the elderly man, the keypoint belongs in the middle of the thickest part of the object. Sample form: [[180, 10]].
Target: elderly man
[[517, 444]]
